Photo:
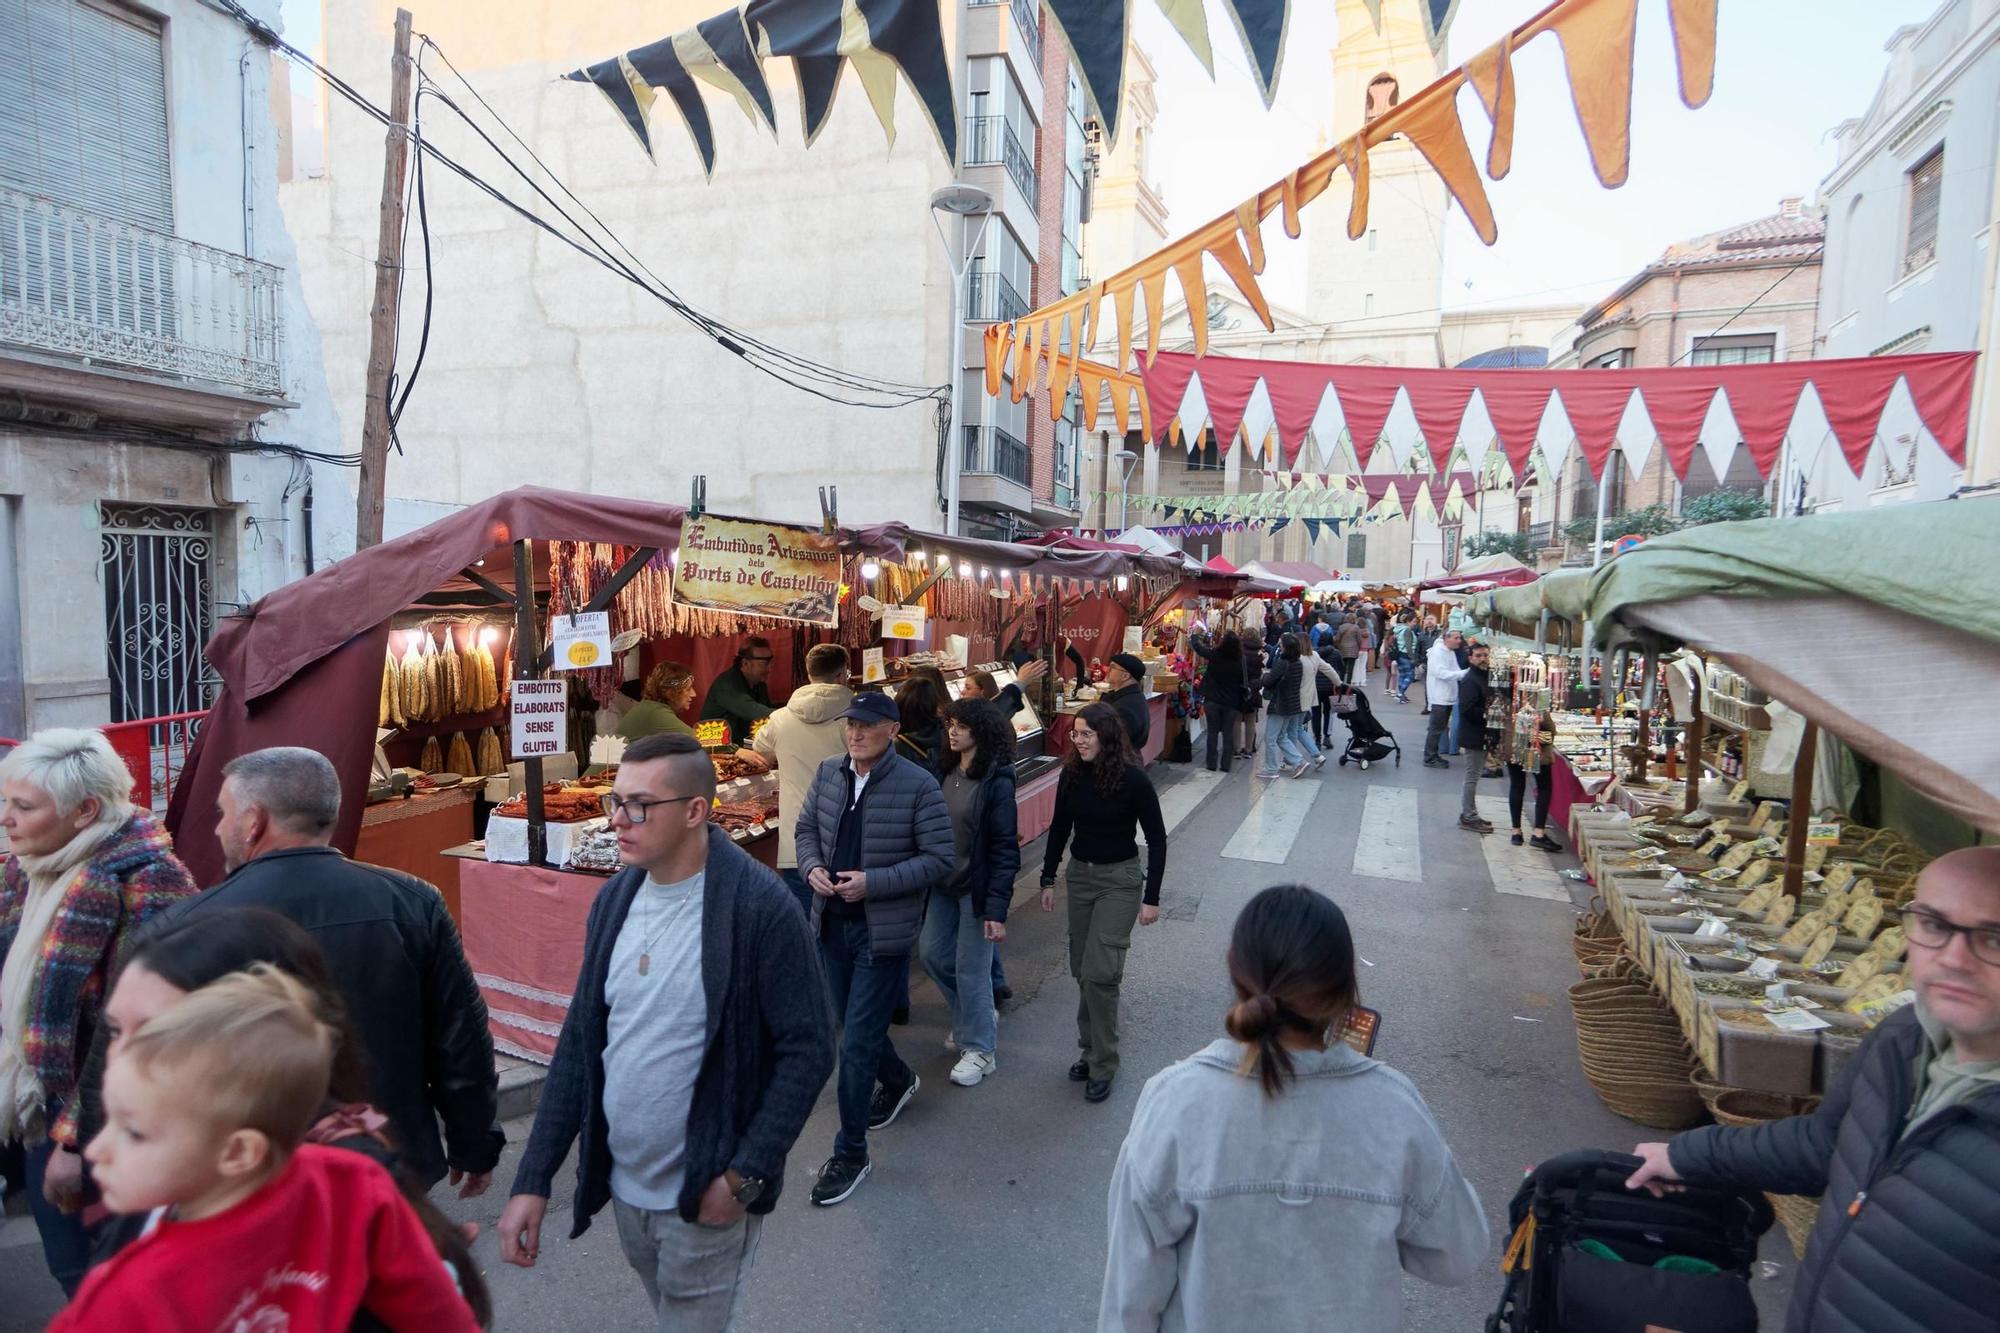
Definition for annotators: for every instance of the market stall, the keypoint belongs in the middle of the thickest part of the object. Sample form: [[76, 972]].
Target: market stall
[[454, 676], [1757, 930]]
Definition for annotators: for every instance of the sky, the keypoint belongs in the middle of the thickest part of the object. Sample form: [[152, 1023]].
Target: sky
[[1787, 72]]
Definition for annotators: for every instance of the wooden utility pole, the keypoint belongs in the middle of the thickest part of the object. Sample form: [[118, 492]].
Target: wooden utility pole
[[388, 296]]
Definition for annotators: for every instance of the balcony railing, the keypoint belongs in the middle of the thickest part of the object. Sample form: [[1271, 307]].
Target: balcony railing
[[80, 284], [1541, 535], [990, 140], [1025, 19], [1002, 455], [991, 299]]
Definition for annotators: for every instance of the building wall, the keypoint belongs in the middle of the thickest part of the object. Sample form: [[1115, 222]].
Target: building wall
[[545, 369], [1940, 90], [223, 158]]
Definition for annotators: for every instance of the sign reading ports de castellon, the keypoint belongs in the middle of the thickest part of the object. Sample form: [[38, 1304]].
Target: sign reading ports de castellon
[[758, 569]]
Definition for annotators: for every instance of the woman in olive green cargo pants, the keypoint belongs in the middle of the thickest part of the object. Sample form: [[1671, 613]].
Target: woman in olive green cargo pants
[[1103, 801]]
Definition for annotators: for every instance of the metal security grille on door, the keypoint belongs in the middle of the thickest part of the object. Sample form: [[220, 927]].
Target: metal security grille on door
[[157, 608]]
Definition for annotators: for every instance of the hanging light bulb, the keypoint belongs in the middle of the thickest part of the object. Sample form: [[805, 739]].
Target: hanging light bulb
[[1123, 583], [965, 569], [944, 557], [869, 569], [984, 573], [674, 556], [489, 635]]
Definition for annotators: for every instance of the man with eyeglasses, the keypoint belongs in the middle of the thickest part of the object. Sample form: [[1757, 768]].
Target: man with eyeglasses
[[697, 1040], [1905, 1149], [741, 695]]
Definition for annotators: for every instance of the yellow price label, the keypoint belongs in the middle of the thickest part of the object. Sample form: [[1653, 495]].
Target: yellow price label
[[712, 732], [583, 653]]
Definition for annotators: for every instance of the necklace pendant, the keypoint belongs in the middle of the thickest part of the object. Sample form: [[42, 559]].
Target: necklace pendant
[[645, 963]]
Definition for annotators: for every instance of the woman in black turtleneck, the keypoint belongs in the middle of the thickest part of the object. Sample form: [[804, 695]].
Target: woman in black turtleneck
[[1103, 801]]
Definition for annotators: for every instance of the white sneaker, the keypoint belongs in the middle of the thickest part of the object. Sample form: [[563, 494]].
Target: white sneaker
[[973, 1066]]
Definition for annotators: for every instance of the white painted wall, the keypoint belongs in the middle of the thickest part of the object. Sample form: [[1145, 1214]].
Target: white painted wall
[[1942, 87], [546, 369]]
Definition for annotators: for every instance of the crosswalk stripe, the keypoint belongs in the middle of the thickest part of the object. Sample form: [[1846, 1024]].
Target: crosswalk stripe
[[1179, 801], [1524, 871], [1272, 826], [1385, 846]]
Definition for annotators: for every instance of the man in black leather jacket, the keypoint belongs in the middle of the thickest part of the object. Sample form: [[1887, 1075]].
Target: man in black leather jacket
[[390, 945]]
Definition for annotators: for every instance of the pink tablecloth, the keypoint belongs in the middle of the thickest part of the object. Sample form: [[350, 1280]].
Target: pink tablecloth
[[1061, 724], [1035, 806], [523, 930], [1565, 790]]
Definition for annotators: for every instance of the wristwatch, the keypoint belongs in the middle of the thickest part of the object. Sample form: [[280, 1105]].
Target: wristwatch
[[751, 1190], [1048, 881]]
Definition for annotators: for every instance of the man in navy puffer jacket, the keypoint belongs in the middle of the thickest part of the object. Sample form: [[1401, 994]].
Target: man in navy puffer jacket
[[1905, 1150]]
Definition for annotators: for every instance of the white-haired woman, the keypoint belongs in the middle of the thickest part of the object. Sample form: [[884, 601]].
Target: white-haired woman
[[85, 867]]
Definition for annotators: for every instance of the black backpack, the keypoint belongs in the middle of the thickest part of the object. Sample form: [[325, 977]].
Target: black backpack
[[1572, 1207]]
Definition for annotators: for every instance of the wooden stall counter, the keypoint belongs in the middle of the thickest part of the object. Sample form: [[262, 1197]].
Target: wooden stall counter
[[413, 834]]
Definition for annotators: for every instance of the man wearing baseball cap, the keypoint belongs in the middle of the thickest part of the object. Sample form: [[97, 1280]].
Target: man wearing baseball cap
[[873, 837], [1127, 696]]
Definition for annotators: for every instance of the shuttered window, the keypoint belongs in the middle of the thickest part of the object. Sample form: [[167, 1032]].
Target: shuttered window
[[1926, 186], [83, 108]]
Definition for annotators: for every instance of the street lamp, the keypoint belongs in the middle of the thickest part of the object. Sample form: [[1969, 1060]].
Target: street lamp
[[964, 202], [1125, 459]]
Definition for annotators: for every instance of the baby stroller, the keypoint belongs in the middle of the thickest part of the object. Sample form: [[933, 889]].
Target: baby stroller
[[1367, 740], [1588, 1254]]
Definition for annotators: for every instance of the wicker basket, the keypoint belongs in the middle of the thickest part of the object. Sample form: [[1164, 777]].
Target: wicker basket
[[1796, 1213], [1632, 1050]]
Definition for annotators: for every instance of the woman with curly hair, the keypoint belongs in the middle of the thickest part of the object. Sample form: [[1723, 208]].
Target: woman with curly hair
[[967, 914], [669, 691], [1103, 800]]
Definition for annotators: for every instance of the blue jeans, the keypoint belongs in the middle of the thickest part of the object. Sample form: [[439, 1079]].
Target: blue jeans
[[1280, 749], [65, 1241], [999, 972], [954, 946], [800, 890], [1301, 735], [1448, 744], [863, 989], [1406, 671]]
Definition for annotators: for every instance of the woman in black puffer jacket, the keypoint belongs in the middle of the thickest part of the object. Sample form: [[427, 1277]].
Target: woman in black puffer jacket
[[1221, 692], [1281, 693]]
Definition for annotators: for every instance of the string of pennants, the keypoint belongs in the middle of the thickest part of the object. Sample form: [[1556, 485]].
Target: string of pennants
[[1338, 498], [1525, 412]]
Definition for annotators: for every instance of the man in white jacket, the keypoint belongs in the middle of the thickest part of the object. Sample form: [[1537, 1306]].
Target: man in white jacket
[[807, 730], [1441, 676]]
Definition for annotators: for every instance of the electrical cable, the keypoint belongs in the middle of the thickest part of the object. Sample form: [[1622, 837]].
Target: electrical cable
[[799, 372], [1817, 251]]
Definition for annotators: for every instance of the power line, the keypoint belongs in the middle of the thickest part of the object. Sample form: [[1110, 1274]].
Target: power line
[[1812, 258]]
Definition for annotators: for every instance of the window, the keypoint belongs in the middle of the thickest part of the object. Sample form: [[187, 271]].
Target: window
[[1206, 458], [1383, 93], [1735, 350], [1371, 240], [1583, 496], [1617, 360], [1701, 478], [1368, 303], [1926, 188], [83, 109], [1357, 550]]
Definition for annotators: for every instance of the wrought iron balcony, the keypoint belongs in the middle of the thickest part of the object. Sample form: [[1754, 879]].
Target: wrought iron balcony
[[1025, 19], [990, 140], [1002, 455], [76, 283], [991, 299]]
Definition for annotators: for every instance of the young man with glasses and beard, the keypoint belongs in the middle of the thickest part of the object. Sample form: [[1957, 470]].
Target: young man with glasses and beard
[[697, 1040], [1905, 1149]]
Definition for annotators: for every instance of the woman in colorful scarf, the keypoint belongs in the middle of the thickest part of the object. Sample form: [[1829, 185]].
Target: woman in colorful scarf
[[85, 868]]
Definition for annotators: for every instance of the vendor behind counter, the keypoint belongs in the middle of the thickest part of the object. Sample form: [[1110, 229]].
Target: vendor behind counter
[[741, 695], [668, 692]]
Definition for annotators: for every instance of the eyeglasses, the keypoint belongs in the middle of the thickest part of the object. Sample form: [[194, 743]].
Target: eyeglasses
[[1928, 930], [755, 658], [637, 808]]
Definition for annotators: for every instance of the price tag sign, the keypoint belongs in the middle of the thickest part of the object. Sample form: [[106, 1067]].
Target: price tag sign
[[902, 623], [872, 671], [713, 734], [538, 712], [581, 642], [1823, 833], [1135, 640]]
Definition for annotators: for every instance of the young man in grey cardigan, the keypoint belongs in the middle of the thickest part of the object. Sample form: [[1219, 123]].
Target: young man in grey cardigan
[[697, 1041]]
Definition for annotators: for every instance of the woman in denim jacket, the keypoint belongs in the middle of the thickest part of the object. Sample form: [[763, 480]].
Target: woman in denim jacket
[[1278, 1180]]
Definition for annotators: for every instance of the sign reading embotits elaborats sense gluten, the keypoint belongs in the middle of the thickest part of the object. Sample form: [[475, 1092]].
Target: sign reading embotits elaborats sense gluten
[[756, 569]]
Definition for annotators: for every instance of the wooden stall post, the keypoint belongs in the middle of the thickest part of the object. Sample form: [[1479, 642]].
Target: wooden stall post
[[1696, 728], [526, 645], [1801, 812]]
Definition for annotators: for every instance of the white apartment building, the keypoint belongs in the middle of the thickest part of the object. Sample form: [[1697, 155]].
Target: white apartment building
[[152, 337], [1913, 235]]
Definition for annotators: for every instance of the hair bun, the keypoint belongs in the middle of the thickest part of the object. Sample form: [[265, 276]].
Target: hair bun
[[1253, 1019]]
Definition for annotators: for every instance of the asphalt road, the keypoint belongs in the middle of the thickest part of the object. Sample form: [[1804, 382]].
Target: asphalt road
[[985, 1210]]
